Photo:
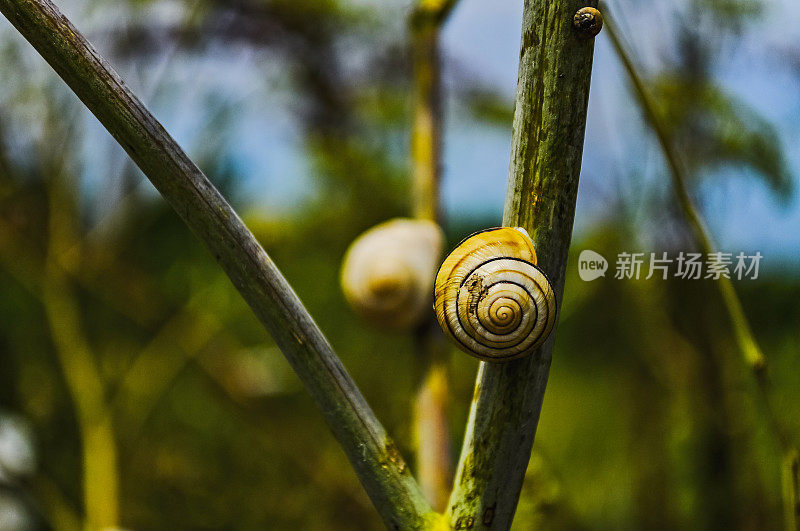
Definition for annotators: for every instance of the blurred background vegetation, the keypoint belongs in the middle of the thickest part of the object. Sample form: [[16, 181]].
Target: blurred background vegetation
[[112, 316]]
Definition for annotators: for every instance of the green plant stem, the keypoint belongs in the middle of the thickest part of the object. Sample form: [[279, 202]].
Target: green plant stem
[[791, 490], [55, 506], [373, 455], [432, 434], [156, 366], [51, 286], [751, 353], [431, 414], [547, 144], [744, 335], [83, 380], [426, 135]]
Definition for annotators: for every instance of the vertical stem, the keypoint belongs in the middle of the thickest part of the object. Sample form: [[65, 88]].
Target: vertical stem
[[84, 383], [791, 490], [434, 454], [426, 134], [432, 433], [547, 144]]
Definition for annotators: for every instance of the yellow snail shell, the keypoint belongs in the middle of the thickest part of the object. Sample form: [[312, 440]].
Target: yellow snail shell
[[387, 274], [492, 299]]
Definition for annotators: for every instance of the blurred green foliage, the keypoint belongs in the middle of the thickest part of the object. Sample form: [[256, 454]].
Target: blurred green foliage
[[648, 421]]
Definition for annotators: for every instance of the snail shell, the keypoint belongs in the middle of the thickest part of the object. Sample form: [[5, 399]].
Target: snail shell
[[387, 274], [588, 21], [492, 299]]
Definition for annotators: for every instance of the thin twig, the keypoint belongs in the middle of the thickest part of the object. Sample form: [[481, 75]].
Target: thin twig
[[374, 456], [55, 506], [751, 352], [155, 367], [743, 334]]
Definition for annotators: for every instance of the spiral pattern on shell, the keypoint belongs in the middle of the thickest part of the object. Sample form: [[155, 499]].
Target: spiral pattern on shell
[[492, 299], [388, 271]]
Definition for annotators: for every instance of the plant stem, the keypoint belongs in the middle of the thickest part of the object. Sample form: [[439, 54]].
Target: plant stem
[[374, 456], [431, 414], [56, 508], [791, 490], [432, 434], [426, 133], [751, 353], [744, 335], [98, 447], [547, 144], [156, 366], [81, 375], [51, 286]]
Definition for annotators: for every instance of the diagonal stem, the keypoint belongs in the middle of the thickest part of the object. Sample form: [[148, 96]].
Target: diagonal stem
[[374, 456], [743, 334], [751, 352]]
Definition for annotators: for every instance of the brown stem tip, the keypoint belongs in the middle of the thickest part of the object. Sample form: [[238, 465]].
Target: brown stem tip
[[588, 22]]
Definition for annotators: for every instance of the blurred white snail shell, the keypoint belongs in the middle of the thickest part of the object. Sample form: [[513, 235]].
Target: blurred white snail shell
[[388, 271], [492, 299]]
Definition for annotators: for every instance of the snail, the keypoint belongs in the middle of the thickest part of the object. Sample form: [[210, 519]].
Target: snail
[[588, 21], [387, 273], [492, 299]]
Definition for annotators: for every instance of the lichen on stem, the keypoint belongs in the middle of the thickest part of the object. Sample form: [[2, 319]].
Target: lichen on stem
[[546, 150]]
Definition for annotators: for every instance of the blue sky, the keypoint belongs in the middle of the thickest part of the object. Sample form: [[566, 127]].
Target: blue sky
[[741, 212], [480, 40]]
